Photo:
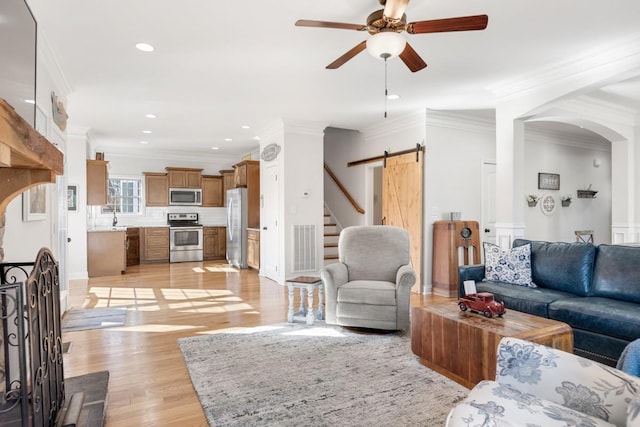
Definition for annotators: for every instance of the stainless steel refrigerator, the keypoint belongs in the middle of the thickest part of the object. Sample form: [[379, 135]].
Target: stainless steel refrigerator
[[237, 227]]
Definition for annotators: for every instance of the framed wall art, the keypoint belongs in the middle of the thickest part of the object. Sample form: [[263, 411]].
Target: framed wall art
[[548, 181], [72, 197], [34, 203]]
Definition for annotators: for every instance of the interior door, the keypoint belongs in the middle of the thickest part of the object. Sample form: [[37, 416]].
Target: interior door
[[269, 236], [402, 183], [488, 220]]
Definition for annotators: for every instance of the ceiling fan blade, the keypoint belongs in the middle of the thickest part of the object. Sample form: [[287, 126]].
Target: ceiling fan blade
[[325, 24], [411, 59], [463, 23], [394, 9], [347, 56]]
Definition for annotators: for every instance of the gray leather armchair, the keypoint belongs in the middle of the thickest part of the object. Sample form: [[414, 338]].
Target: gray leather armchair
[[370, 286]]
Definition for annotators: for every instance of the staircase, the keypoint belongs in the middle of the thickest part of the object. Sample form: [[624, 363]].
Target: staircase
[[331, 234]]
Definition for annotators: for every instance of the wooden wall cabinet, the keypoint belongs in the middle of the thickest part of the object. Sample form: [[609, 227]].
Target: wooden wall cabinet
[[214, 240], [97, 178], [156, 189], [212, 191], [133, 246], [184, 177], [106, 253], [228, 182], [247, 174], [154, 244], [253, 249]]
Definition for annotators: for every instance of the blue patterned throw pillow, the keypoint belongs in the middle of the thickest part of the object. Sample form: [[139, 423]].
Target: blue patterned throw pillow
[[513, 266]]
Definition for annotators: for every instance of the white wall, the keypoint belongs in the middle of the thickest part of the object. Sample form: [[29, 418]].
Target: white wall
[[574, 161], [23, 240]]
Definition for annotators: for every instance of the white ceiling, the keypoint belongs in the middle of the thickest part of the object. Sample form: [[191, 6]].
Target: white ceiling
[[220, 65]]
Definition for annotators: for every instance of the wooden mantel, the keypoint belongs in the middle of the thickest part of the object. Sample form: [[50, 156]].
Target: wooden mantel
[[26, 157]]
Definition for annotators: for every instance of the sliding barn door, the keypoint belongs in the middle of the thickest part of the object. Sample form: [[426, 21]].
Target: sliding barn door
[[402, 181]]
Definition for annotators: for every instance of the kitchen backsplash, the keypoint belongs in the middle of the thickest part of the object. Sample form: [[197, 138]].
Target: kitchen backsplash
[[156, 216]]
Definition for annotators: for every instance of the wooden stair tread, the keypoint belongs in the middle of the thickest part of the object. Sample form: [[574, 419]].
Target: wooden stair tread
[[330, 245], [331, 234], [330, 224], [331, 257]]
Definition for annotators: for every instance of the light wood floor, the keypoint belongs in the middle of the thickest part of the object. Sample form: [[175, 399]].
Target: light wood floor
[[149, 384]]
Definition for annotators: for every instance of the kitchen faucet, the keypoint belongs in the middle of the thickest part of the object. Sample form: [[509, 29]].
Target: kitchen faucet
[[115, 219]]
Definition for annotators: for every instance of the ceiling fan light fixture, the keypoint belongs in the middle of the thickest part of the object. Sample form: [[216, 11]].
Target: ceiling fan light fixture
[[386, 44]]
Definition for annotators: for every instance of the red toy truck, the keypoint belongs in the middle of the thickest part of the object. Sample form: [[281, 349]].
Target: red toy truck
[[482, 302]]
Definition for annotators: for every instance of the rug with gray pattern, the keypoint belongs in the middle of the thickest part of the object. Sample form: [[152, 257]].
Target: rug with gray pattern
[[296, 375]]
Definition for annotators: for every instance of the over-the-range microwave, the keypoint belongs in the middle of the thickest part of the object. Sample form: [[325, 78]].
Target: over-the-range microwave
[[185, 196]]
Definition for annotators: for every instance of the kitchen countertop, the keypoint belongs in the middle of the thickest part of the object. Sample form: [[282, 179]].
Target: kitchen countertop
[[103, 229]]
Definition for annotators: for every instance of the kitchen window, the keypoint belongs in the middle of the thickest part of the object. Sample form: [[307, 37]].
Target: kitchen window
[[124, 196]]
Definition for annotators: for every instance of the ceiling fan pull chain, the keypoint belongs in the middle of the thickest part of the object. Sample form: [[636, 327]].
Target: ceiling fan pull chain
[[385, 87]]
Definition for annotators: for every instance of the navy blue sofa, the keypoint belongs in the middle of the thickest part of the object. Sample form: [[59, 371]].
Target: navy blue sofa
[[594, 289]]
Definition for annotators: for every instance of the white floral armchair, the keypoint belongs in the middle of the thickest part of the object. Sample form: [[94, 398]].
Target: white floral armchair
[[539, 386]]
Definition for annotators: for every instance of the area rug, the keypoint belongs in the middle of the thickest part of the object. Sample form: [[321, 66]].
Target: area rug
[[291, 374], [93, 318]]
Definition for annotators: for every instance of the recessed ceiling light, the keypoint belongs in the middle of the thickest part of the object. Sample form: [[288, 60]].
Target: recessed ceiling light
[[145, 47], [144, 142], [228, 139], [215, 148], [30, 101], [150, 116], [256, 138], [246, 127], [146, 131], [393, 97]]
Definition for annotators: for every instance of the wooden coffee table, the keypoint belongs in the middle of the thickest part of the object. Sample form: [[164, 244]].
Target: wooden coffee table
[[463, 345]]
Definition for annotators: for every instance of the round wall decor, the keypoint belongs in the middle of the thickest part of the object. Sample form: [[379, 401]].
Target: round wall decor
[[548, 204]]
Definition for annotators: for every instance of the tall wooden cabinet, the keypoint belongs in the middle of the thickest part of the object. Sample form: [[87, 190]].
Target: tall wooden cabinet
[[97, 178], [247, 174], [228, 182], [455, 243]]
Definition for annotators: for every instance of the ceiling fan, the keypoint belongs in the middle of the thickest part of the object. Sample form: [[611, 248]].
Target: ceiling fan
[[391, 21]]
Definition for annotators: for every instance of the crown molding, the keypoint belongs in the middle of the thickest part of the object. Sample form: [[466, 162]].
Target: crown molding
[[614, 60], [601, 110], [145, 153], [393, 125], [466, 121]]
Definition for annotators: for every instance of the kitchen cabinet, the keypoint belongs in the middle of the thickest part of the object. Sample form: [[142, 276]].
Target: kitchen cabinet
[[154, 244], [212, 191], [184, 177], [228, 182], [247, 174], [97, 178], [133, 246], [214, 240], [156, 189], [253, 249], [106, 253]]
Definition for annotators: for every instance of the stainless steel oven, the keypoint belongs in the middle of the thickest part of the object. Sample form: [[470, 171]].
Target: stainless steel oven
[[185, 237]]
